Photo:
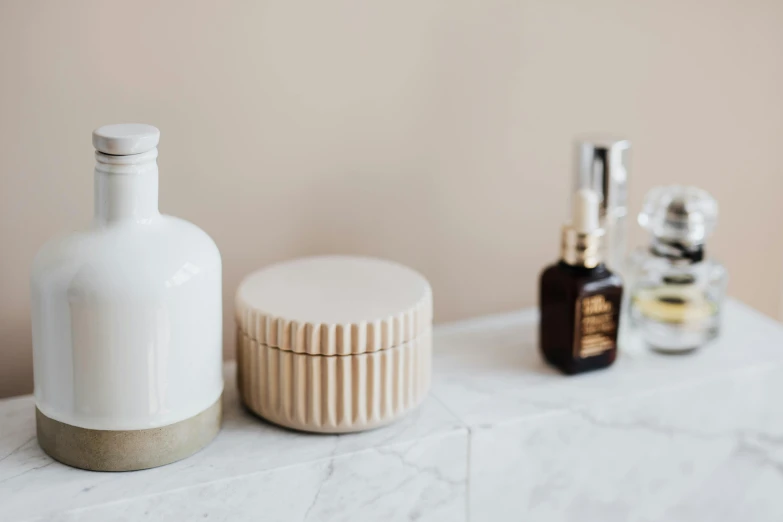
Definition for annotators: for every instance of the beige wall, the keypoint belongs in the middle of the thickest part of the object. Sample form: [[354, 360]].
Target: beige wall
[[433, 132]]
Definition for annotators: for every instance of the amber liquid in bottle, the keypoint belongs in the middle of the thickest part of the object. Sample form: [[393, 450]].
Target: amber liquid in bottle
[[580, 310]]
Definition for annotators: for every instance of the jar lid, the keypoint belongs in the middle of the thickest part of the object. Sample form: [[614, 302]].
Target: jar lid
[[334, 305]]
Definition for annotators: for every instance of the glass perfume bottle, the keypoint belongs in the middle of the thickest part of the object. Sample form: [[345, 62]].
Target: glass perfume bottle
[[580, 297], [677, 293]]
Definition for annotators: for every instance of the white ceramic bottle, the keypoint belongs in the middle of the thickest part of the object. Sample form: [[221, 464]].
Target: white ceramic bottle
[[127, 323]]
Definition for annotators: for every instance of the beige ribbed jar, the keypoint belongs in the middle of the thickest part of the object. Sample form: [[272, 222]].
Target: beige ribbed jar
[[334, 344]]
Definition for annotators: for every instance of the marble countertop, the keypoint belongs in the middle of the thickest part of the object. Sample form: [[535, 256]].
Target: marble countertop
[[501, 437], [253, 470]]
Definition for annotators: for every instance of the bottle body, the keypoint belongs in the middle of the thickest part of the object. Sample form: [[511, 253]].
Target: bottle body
[[127, 325], [676, 305], [615, 244], [127, 313], [580, 312]]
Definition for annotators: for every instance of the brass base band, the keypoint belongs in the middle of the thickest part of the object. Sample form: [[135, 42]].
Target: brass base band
[[127, 450]]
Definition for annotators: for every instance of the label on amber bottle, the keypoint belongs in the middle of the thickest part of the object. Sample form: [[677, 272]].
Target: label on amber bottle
[[596, 326]]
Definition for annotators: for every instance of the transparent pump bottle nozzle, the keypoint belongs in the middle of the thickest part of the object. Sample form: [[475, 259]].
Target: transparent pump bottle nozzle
[[601, 165]]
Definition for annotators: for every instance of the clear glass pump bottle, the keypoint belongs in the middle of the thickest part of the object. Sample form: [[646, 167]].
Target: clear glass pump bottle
[[676, 292], [602, 165]]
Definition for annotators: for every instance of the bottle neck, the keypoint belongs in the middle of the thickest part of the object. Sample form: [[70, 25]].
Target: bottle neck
[[580, 270], [126, 188], [676, 251], [581, 249]]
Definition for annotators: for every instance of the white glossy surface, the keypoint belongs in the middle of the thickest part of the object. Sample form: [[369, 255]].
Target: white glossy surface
[[127, 314]]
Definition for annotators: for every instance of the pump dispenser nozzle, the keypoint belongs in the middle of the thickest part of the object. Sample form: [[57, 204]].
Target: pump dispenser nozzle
[[582, 238], [585, 211], [602, 164]]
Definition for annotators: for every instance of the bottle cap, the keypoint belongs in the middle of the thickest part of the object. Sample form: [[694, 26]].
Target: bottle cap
[[678, 214], [125, 139], [581, 242], [602, 166]]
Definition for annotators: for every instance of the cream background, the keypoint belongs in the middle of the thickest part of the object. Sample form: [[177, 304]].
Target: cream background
[[433, 132]]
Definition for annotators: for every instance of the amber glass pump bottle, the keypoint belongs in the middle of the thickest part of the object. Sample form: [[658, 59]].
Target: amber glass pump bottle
[[579, 297]]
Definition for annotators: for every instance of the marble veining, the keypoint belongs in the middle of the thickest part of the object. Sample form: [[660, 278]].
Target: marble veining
[[420, 480], [654, 438], [270, 469], [490, 372], [501, 437], [699, 453]]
